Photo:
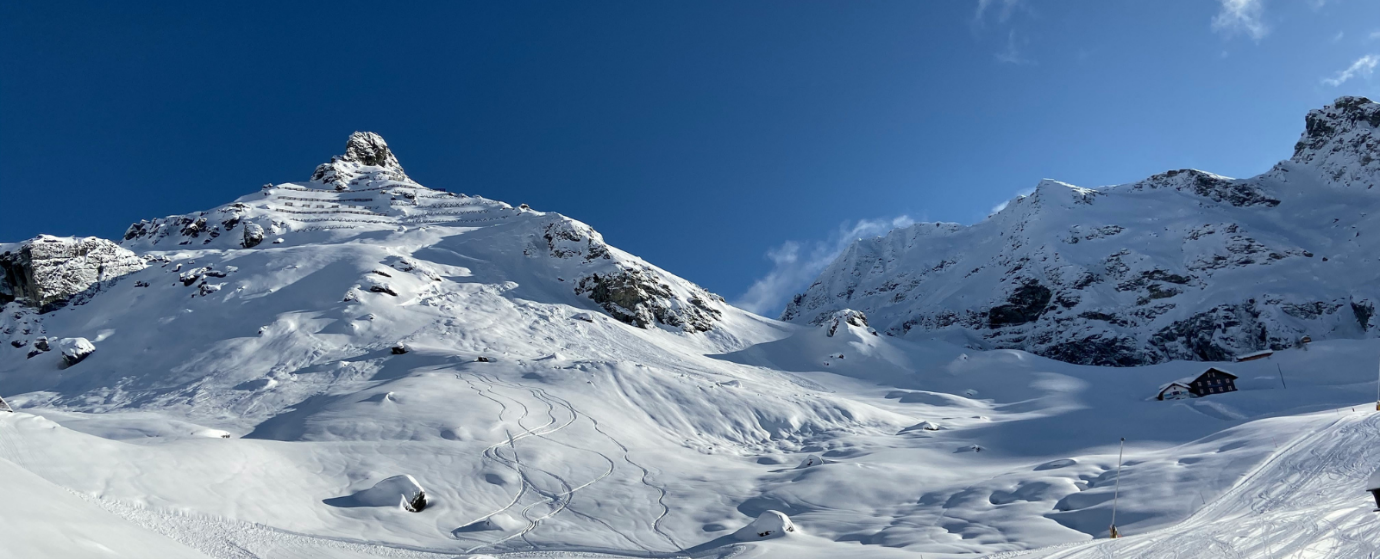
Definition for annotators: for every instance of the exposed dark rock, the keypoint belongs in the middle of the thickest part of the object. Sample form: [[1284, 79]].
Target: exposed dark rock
[[383, 288], [252, 236], [1218, 189], [1364, 310], [1024, 305], [1100, 350], [634, 296], [846, 316]]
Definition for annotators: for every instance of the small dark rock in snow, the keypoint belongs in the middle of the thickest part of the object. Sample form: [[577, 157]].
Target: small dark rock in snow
[[383, 289], [483, 359], [399, 349]]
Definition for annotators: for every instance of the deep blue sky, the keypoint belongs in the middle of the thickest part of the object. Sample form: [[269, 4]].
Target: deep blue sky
[[702, 136]]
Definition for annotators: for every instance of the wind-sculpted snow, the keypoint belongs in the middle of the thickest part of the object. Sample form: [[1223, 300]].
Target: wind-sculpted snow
[[283, 375], [1182, 265]]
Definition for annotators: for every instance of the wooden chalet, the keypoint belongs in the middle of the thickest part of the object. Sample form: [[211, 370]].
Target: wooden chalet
[[1212, 381]]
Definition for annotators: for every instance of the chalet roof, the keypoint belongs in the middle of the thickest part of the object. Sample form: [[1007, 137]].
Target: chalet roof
[[1184, 382], [1181, 382], [1255, 355]]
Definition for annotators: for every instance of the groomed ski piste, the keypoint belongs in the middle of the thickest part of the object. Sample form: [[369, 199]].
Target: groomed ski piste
[[260, 392]]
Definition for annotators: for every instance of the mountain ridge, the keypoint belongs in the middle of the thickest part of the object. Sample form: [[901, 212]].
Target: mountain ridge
[[1139, 298]]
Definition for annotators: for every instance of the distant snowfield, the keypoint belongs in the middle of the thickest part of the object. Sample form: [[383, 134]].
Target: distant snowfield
[[247, 402]]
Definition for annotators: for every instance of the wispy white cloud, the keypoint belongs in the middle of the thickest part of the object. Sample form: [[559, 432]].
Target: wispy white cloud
[[1362, 68], [1002, 206], [1338, 37], [795, 263], [1004, 9], [1374, 36], [1012, 53], [1241, 16]]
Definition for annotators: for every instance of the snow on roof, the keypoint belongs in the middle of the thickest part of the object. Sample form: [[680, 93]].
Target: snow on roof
[[1255, 355], [1184, 382]]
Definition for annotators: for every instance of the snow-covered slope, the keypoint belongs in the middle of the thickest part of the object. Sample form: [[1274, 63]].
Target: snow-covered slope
[[1182, 265], [287, 381]]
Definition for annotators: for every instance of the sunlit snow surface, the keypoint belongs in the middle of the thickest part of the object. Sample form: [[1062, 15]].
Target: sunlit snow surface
[[580, 435]]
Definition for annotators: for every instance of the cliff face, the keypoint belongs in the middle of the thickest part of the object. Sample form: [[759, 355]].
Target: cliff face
[[46, 271], [1182, 265]]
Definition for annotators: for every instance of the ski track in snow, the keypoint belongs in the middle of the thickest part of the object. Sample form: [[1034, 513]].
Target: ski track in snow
[[1287, 506]]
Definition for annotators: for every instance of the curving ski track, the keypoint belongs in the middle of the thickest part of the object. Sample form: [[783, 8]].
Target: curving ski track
[[1307, 500]]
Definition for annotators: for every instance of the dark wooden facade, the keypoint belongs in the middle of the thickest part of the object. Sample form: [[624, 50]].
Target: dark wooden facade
[[1213, 381]]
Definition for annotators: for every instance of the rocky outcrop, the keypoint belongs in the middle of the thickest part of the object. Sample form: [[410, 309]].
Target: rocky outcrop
[[1342, 142], [1025, 304], [625, 287], [366, 157], [253, 235], [848, 317], [46, 272], [1217, 188], [635, 296], [197, 229]]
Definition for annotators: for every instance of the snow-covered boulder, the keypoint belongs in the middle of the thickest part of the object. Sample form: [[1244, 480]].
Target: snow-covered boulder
[[253, 235], [810, 461], [48, 271], [769, 524], [922, 426], [401, 491], [74, 350]]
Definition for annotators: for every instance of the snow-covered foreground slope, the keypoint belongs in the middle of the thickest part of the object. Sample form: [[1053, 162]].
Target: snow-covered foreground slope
[[1182, 265], [549, 395]]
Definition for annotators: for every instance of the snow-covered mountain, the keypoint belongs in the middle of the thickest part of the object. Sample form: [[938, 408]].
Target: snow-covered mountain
[[1182, 265], [359, 366]]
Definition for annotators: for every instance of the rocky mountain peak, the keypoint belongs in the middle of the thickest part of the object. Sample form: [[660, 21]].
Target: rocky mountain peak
[[368, 148], [366, 157], [1341, 141]]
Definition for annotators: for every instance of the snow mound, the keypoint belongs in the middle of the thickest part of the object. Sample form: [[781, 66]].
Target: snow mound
[[212, 434], [811, 460], [770, 524], [402, 490]]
